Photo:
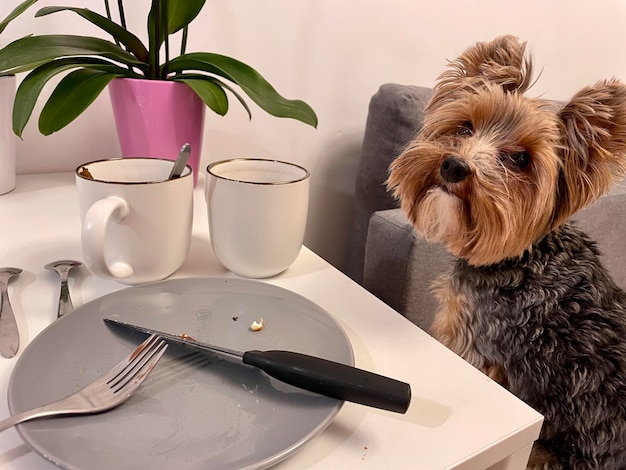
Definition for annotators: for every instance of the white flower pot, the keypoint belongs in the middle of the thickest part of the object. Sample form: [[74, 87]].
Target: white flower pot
[[8, 140]]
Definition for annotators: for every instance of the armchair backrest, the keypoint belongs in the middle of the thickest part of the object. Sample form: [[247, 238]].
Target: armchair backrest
[[395, 116]]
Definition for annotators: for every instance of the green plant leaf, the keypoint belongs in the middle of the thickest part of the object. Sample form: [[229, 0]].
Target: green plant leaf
[[133, 43], [179, 14], [211, 93], [74, 93], [181, 77], [182, 12], [17, 11], [250, 81], [31, 51], [31, 86]]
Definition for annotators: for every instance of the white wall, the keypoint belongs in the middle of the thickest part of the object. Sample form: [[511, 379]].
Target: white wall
[[334, 54]]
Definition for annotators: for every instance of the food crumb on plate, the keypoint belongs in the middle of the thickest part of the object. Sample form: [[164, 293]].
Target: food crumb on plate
[[257, 326]]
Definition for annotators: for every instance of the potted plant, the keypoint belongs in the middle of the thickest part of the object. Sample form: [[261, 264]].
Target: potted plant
[[7, 93], [91, 64]]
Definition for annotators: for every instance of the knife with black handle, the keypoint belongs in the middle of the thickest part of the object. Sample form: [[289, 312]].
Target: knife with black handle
[[332, 379], [315, 374]]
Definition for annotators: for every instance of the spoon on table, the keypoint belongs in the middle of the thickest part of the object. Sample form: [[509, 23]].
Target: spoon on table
[[62, 267], [181, 162], [9, 334]]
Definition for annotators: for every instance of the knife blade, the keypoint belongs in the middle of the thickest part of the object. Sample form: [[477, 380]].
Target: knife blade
[[311, 373]]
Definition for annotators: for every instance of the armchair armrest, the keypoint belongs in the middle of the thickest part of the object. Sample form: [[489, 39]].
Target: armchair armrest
[[400, 266], [605, 222]]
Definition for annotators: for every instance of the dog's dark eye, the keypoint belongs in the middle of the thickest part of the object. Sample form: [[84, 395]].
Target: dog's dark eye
[[519, 160], [465, 129]]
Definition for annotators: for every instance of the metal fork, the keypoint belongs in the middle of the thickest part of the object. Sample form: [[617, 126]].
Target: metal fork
[[106, 392]]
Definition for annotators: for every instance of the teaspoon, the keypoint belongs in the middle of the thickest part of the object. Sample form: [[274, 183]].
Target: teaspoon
[[181, 162], [62, 267], [9, 334]]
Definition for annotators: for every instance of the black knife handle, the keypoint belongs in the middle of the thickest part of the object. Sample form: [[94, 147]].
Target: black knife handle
[[333, 379]]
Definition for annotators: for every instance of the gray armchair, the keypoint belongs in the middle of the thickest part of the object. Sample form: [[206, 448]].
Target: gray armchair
[[388, 257]]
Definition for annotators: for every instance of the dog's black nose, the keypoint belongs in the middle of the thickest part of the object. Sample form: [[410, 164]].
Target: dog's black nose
[[454, 170]]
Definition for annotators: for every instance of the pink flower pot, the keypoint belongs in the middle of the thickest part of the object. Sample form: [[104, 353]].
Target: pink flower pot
[[154, 118]]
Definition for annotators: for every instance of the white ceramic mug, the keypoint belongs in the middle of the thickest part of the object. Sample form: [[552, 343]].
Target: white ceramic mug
[[136, 224], [257, 214]]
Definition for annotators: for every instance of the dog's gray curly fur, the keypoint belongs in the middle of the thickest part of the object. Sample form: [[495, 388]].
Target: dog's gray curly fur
[[556, 321]]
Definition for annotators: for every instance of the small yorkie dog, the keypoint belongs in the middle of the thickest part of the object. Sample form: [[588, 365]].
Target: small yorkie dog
[[495, 176]]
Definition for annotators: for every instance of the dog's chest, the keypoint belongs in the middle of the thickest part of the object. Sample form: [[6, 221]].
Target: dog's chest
[[480, 322], [498, 315]]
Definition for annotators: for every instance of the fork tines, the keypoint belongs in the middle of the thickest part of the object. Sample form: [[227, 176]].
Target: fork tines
[[138, 364]]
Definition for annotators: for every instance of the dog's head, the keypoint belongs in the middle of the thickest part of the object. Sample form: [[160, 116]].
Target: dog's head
[[491, 171]]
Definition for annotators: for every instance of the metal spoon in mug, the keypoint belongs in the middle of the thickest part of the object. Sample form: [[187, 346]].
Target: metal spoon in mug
[[62, 267], [9, 334], [181, 162]]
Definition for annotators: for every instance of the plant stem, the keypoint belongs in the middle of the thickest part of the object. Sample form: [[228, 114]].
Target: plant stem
[[120, 7], [167, 39], [155, 40], [107, 8], [183, 41]]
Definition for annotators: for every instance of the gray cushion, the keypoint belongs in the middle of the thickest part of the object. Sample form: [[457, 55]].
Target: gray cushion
[[400, 266], [394, 118]]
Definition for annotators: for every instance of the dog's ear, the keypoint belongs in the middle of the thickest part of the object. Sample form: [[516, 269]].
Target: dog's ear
[[593, 153], [502, 62]]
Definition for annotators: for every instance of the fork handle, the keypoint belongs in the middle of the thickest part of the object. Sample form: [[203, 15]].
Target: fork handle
[[25, 416], [65, 301], [56, 408], [9, 334]]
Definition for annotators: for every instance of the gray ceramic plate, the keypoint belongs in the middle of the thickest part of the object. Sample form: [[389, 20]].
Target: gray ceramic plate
[[193, 411]]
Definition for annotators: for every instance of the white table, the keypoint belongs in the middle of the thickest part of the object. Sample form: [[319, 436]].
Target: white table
[[458, 418]]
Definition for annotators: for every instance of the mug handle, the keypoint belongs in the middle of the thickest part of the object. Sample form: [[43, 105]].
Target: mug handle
[[93, 236]]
